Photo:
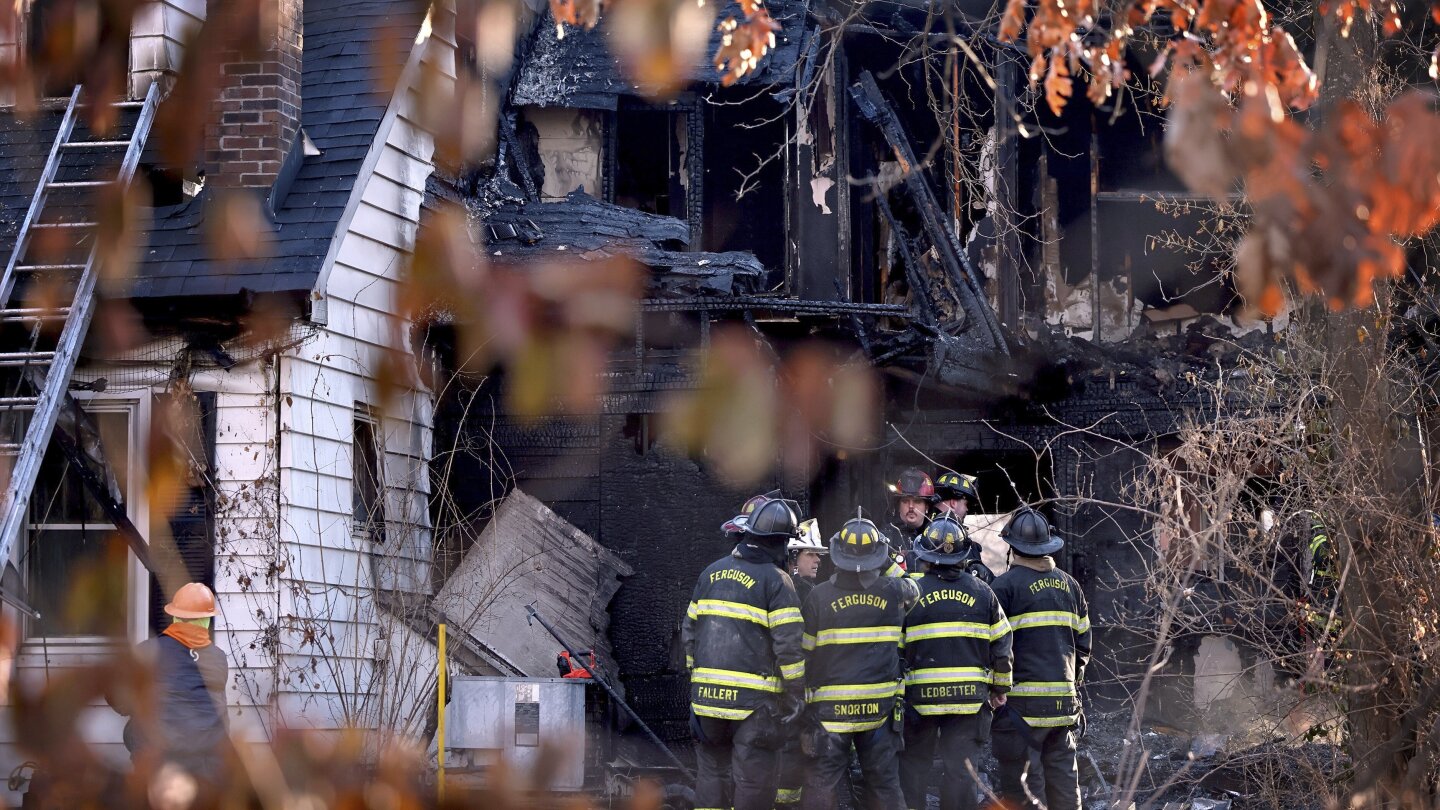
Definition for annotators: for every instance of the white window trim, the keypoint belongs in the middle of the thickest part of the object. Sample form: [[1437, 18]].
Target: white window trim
[[35, 649]]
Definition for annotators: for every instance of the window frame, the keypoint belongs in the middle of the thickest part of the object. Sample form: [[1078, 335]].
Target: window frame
[[37, 650], [371, 531]]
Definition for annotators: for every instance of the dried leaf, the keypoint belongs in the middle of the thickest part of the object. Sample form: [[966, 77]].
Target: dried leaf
[[744, 44], [1013, 20]]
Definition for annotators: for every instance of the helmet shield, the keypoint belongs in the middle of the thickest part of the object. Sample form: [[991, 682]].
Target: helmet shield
[[942, 542], [859, 546], [1029, 533], [808, 539]]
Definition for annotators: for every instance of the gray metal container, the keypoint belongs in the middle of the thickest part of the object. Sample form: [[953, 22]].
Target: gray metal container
[[510, 720]]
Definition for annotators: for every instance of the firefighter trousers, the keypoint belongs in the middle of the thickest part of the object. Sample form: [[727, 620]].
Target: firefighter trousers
[[792, 773], [878, 751], [1055, 761], [957, 738], [735, 762]]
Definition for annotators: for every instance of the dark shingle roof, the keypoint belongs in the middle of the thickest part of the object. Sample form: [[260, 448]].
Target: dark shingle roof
[[353, 50], [24, 146], [579, 70]]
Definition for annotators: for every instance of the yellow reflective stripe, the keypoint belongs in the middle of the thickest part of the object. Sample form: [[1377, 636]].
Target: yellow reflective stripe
[[999, 629], [719, 713], [791, 672], [689, 662], [1048, 722], [732, 610], [857, 635], [857, 691], [808, 642], [1043, 689], [1056, 618], [921, 632], [726, 677], [894, 570], [691, 612], [787, 796], [844, 727], [945, 708], [787, 615], [1002, 678], [942, 674]]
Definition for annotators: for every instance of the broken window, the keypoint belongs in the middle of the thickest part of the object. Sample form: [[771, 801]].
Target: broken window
[[745, 187], [651, 166], [367, 487], [570, 145], [77, 566]]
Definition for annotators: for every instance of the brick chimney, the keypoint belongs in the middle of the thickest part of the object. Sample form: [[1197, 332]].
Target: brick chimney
[[256, 114]]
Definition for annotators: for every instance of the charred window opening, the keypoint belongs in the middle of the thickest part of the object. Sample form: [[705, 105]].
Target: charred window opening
[[745, 181], [652, 160], [367, 485], [569, 145]]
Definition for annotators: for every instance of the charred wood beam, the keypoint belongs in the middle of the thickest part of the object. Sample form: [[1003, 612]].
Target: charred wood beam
[[912, 265], [966, 283], [517, 156], [1007, 188]]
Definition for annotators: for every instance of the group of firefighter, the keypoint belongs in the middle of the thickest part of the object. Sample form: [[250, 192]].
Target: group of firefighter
[[912, 650]]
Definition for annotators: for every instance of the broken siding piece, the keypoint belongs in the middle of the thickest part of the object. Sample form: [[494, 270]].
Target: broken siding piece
[[530, 555]]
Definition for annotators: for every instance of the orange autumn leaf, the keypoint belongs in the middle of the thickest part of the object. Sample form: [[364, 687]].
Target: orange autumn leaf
[[744, 44], [1013, 21]]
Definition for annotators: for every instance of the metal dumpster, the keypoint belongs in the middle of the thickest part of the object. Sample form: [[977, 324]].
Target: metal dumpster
[[510, 721]]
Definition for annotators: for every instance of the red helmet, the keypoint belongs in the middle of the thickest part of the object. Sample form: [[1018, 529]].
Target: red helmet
[[738, 524], [913, 483]]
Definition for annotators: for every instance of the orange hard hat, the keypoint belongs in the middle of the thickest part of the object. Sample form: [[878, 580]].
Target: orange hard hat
[[192, 601]]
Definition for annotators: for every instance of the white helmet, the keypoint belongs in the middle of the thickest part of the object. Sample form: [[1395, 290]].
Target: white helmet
[[808, 539]]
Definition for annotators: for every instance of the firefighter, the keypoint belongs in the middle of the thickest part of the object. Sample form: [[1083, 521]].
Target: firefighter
[[1051, 645], [805, 553], [957, 494], [806, 550], [957, 661], [853, 626], [914, 492], [743, 644]]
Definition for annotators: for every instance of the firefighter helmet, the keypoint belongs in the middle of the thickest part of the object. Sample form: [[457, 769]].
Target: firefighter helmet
[[1029, 533], [943, 541], [950, 486], [775, 519], [913, 483], [859, 546], [808, 539]]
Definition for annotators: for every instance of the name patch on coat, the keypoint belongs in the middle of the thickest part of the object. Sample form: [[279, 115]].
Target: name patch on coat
[[950, 594], [1048, 582], [719, 693], [859, 600], [730, 573]]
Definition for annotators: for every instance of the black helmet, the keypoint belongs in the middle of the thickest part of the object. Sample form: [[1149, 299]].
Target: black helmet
[[736, 525], [774, 518], [942, 542], [950, 486], [859, 547], [913, 483], [1028, 532]]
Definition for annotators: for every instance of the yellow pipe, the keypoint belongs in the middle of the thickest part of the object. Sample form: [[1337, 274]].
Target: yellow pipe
[[440, 736]]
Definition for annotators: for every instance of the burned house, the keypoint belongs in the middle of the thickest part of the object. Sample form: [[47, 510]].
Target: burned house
[[1033, 289]]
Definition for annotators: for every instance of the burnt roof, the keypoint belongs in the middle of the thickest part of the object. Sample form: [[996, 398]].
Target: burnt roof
[[352, 48], [578, 69], [584, 227]]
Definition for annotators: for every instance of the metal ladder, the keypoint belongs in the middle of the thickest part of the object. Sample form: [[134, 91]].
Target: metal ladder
[[51, 249]]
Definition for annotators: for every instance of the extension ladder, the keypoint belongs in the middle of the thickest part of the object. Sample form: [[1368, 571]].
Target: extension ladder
[[56, 251]]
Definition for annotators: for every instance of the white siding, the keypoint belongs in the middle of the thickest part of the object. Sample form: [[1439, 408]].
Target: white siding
[[336, 666], [158, 34]]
